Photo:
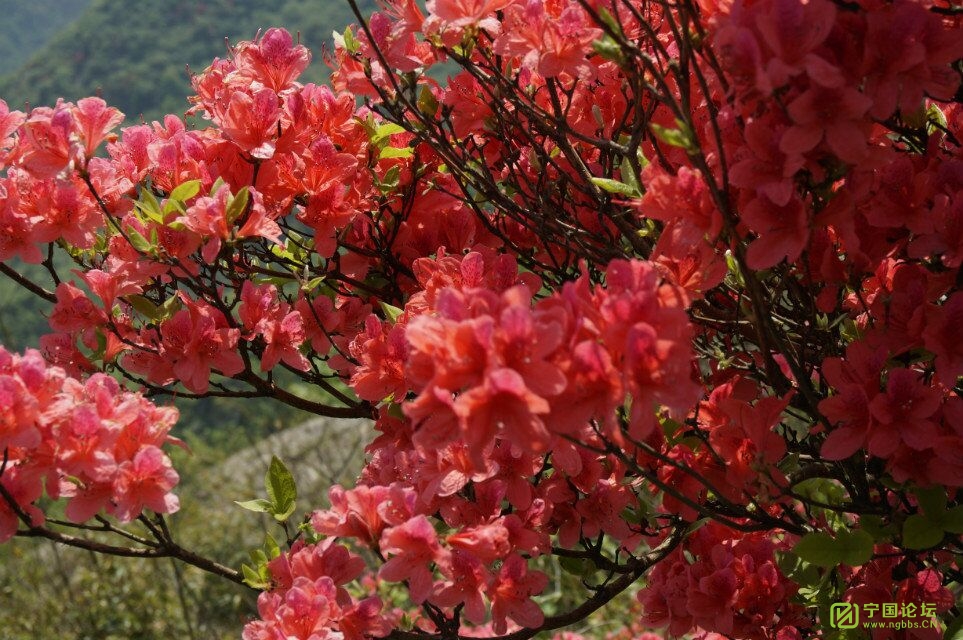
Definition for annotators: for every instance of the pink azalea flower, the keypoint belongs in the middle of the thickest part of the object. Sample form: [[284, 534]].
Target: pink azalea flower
[[145, 482], [45, 138], [94, 122], [250, 121], [511, 595], [903, 415], [467, 578], [197, 340], [274, 61], [941, 337], [353, 513], [412, 548], [833, 115]]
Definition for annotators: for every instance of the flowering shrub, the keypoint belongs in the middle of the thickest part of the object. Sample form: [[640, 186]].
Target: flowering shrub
[[90, 442], [663, 294]]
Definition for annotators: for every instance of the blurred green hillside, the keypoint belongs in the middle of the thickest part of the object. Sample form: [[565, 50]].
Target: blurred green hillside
[[135, 54], [27, 26]]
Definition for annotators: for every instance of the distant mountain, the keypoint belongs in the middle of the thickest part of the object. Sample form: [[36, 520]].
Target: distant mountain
[[27, 26], [135, 54]]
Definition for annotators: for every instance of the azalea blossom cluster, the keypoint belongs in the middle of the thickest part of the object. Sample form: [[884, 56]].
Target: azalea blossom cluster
[[660, 294], [309, 601], [733, 588], [490, 402], [486, 364], [89, 442]]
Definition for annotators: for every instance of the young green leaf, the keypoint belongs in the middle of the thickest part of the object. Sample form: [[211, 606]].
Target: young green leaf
[[614, 186], [396, 152], [427, 103], [386, 130], [952, 520], [391, 312], [253, 579], [186, 190], [281, 489], [680, 137], [237, 205], [581, 567], [139, 242], [143, 306], [258, 505]]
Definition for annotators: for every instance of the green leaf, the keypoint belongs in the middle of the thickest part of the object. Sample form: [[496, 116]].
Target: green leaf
[[139, 242], [954, 630], [581, 567], [252, 578], [386, 130], [627, 172], [614, 186], [855, 547], [873, 525], [936, 120], [171, 306], [271, 546], [698, 524], [347, 40], [281, 489], [216, 186], [258, 557], [149, 204], [608, 49], [680, 137], [259, 505], [919, 532], [427, 103], [396, 152], [186, 191], [796, 569], [101, 345], [148, 213], [391, 179], [172, 205], [143, 306], [391, 312], [237, 205], [636, 514], [932, 500], [313, 283], [819, 549], [952, 520]]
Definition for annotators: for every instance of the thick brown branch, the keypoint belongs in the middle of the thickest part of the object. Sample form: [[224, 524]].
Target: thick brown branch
[[169, 550], [27, 284]]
